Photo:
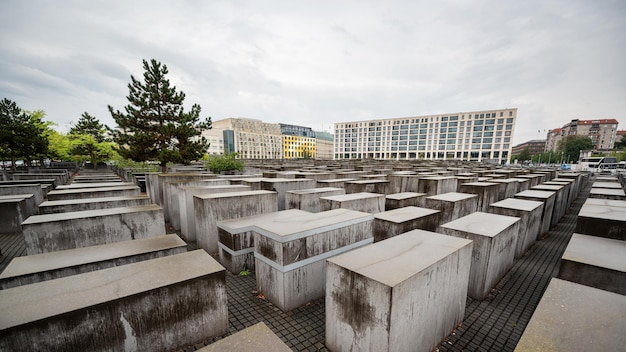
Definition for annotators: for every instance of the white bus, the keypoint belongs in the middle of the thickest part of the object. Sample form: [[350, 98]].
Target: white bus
[[599, 164]]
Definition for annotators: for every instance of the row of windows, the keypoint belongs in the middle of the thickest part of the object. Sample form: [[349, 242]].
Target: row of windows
[[355, 125]]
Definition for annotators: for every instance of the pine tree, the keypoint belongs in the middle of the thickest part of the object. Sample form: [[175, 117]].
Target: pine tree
[[88, 124], [22, 134], [155, 125]]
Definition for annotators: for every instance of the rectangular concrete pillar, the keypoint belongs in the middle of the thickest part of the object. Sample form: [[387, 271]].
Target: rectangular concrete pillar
[[403, 183], [605, 193], [413, 309], [53, 265], [452, 205], [94, 185], [495, 237], [282, 185], [560, 201], [523, 184], [529, 212], [511, 187], [405, 199], [365, 202], [607, 221], [34, 189], [335, 183], [82, 204], [487, 192], [171, 196], [290, 255], [438, 185], [236, 238], [309, 199], [13, 211], [101, 192], [547, 198], [595, 261], [575, 318], [394, 222], [162, 304], [257, 337], [211, 208], [369, 186]]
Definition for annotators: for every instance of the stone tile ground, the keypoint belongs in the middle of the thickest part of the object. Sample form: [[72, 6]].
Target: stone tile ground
[[495, 324]]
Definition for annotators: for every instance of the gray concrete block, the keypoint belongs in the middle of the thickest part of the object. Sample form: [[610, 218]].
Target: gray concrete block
[[560, 201], [335, 183], [171, 190], [255, 338], [309, 199], [369, 186], [161, 304], [186, 211], [55, 232], [236, 238], [13, 211], [487, 192], [411, 309], [595, 261], [452, 205], [365, 202], [94, 185], [576, 318], [282, 185], [82, 204], [211, 208], [606, 193], [608, 185], [391, 223], [602, 220], [529, 212], [405, 199], [511, 186], [495, 237], [53, 265], [548, 199], [403, 183], [522, 183], [290, 255], [438, 185], [34, 189], [102, 192]]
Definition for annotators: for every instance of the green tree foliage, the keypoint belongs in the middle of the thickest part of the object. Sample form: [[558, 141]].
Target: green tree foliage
[[572, 145], [86, 147], [549, 157], [22, 134], [220, 163], [524, 155], [59, 146], [154, 125], [89, 125]]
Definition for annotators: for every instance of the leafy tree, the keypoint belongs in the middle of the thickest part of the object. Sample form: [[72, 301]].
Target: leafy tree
[[22, 135], [620, 144], [88, 124], [155, 125], [572, 145], [524, 155], [549, 157], [219, 163], [59, 147], [86, 147]]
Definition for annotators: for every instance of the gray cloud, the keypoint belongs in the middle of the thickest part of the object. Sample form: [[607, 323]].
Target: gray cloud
[[322, 62]]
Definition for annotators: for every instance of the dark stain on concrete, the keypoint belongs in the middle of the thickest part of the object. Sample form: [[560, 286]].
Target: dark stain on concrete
[[353, 306]]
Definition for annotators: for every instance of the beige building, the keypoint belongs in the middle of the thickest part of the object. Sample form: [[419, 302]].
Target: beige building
[[215, 136], [324, 149], [602, 132], [252, 139], [476, 135]]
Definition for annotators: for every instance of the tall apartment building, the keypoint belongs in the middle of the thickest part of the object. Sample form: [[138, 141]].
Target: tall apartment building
[[252, 139], [477, 136], [602, 133]]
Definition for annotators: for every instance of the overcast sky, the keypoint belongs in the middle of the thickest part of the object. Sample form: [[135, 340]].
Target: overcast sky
[[314, 63]]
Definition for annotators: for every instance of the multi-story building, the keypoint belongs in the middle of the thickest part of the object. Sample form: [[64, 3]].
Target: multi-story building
[[602, 133], [251, 139], [324, 145], [215, 136], [535, 146], [621, 137], [298, 142], [477, 135]]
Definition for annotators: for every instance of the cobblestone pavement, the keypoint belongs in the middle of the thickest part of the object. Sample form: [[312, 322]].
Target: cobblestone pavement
[[495, 324]]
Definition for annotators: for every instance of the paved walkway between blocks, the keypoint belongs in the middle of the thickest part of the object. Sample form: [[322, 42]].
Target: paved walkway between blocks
[[495, 324]]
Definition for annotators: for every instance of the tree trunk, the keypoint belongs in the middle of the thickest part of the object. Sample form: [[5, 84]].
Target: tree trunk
[[164, 168]]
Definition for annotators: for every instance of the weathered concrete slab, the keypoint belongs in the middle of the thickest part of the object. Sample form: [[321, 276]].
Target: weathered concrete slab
[[282, 185], [368, 186], [438, 185], [534, 179], [569, 192], [211, 208], [171, 191], [82, 204], [495, 237], [369, 309], [575, 318], [334, 182], [609, 185], [291, 254], [186, 209], [511, 186], [49, 183], [255, 338], [548, 199], [560, 201], [161, 304], [405, 199], [606, 193], [523, 184], [595, 261], [13, 211], [34, 189], [452, 205], [392, 223], [100, 192], [95, 185], [61, 178], [605, 202], [48, 266], [401, 183], [529, 212], [602, 221], [365, 202], [309, 199], [55, 232], [155, 181], [487, 192], [236, 238]]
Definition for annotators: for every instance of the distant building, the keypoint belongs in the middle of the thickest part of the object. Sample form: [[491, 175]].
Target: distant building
[[215, 136], [476, 136], [251, 139], [324, 145], [298, 142], [621, 136], [602, 133], [535, 146]]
